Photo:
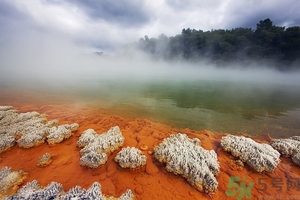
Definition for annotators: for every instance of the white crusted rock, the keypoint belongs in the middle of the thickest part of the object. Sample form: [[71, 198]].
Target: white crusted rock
[[128, 195], [75, 193], [93, 159], [44, 160], [130, 158], [113, 138], [86, 137], [54, 190], [4, 110], [28, 190], [26, 127], [95, 145], [6, 142], [57, 134], [288, 147], [94, 192], [73, 127], [32, 128], [13, 117], [10, 179], [261, 157], [30, 140], [184, 156]]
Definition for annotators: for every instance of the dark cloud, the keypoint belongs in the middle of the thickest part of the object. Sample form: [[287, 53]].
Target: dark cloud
[[193, 4], [13, 22], [107, 24], [9, 15], [249, 14], [9, 12], [124, 13], [252, 21]]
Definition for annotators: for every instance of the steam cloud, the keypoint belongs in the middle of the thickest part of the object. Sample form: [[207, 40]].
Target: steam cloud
[[39, 59]]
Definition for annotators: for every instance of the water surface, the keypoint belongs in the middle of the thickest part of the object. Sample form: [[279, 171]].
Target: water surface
[[219, 106], [253, 101]]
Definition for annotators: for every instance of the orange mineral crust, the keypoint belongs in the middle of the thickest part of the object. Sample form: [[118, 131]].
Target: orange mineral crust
[[151, 181]]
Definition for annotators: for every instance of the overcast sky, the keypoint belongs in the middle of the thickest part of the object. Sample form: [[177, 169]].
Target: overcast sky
[[106, 24]]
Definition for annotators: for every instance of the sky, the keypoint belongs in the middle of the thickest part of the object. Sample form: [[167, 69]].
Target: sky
[[106, 25]]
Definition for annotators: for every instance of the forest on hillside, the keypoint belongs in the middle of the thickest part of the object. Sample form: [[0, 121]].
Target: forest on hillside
[[267, 44]]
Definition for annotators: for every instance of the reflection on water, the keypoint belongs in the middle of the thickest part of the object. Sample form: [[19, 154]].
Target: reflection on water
[[219, 106]]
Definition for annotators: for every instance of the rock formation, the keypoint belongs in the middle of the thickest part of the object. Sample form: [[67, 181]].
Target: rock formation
[[32, 190], [184, 156], [6, 142], [93, 159], [261, 157], [288, 147], [130, 158], [98, 146], [10, 179], [44, 160], [59, 133], [31, 129]]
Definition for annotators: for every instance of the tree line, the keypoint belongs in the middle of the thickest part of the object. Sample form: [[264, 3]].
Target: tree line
[[267, 43]]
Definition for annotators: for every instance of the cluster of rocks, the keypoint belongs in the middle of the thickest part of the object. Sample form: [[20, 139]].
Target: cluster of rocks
[[30, 129], [288, 147], [184, 156], [10, 179], [96, 147], [32, 190], [130, 157], [261, 157]]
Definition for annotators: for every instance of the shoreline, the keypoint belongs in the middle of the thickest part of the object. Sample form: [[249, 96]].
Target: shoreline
[[150, 182]]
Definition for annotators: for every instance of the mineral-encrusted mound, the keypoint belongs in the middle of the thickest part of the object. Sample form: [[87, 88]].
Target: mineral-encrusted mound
[[6, 142], [44, 160], [9, 179], [261, 157], [32, 190], [93, 159], [5, 108], [288, 147], [86, 137], [31, 129], [59, 133], [97, 146], [130, 158], [296, 159], [185, 157]]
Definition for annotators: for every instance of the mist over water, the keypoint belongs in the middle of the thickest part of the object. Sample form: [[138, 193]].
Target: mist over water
[[255, 100]]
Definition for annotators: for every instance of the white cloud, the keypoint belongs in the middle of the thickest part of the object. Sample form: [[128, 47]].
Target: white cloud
[[61, 17]]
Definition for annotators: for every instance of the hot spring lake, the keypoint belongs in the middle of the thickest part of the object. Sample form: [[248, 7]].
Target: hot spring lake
[[236, 100], [219, 106]]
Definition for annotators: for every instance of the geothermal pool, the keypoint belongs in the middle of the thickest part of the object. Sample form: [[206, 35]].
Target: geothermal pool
[[149, 109], [147, 112], [219, 106]]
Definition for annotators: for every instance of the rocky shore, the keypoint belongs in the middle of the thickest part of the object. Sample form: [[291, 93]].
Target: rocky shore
[[154, 180]]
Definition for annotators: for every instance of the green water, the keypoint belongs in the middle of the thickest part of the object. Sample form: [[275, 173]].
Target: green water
[[254, 101], [219, 106]]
